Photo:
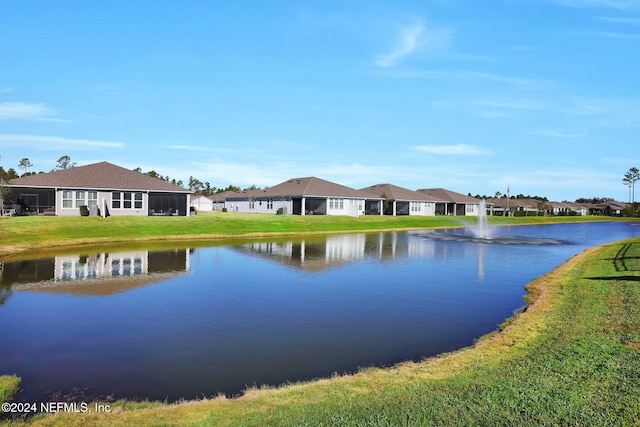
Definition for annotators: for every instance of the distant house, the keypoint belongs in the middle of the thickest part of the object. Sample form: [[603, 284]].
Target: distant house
[[502, 206], [558, 209], [402, 201], [218, 200], [305, 196], [202, 203], [579, 209], [566, 209], [609, 208], [103, 188], [452, 203]]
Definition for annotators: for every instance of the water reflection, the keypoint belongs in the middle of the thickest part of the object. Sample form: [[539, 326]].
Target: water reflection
[[263, 312], [336, 251], [101, 273]]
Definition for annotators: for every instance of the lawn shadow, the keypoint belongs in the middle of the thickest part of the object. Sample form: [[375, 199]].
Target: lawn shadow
[[617, 278], [627, 258]]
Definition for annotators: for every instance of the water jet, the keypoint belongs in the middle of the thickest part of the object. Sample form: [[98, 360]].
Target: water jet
[[482, 232]]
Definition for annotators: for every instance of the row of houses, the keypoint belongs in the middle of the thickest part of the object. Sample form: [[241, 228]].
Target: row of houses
[[315, 196], [107, 189]]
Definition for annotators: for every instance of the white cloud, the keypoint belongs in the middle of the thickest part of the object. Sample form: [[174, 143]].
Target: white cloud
[[557, 134], [39, 142], [452, 150], [23, 110], [186, 147], [413, 38]]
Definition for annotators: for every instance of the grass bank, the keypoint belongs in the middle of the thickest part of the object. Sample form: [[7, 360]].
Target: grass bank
[[572, 358], [23, 234]]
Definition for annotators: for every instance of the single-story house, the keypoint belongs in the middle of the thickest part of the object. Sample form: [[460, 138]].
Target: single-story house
[[511, 206], [202, 203], [104, 188], [219, 199], [402, 201], [452, 203], [611, 207], [305, 196], [566, 209], [579, 209]]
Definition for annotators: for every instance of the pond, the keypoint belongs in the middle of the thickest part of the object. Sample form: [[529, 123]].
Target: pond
[[193, 322]]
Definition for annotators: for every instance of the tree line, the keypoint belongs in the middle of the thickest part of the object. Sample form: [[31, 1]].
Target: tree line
[[64, 162]]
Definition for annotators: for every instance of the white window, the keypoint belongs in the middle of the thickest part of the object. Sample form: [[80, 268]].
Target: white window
[[126, 200], [80, 199], [67, 199], [336, 204], [116, 197], [74, 199], [92, 198], [269, 203]]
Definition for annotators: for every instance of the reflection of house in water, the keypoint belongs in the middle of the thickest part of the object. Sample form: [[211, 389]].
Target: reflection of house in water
[[313, 255], [96, 274], [332, 251]]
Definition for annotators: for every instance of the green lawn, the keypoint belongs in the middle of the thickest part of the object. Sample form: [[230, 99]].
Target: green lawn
[[572, 358], [19, 234]]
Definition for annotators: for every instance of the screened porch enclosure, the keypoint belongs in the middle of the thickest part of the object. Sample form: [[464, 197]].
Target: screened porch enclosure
[[161, 204], [32, 200], [312, 206]]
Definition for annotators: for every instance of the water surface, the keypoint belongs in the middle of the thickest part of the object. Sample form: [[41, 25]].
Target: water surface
[[187, 323]]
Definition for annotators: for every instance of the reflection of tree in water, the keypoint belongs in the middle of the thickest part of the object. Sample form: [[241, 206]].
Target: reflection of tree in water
[[5, 291]]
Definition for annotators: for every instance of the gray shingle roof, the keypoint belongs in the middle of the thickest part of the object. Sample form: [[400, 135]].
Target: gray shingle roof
[[98, 176], [448, 195], [312, 186], [393, 192]]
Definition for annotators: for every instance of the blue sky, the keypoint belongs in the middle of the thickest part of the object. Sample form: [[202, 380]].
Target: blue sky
[[473, 96]]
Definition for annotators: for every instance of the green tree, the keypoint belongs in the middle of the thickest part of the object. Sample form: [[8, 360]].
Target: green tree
[[25, 164], [5, 191], [65, 162], [230, 188], [630, 178], [208, 190], [195, 184]]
